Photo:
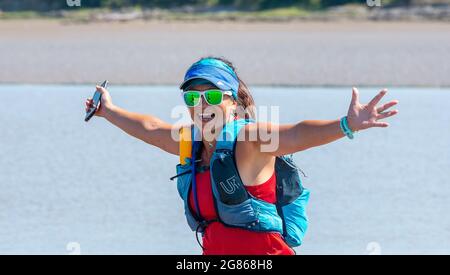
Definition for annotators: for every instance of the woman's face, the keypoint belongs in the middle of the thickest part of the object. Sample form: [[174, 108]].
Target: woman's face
[[211, 118]]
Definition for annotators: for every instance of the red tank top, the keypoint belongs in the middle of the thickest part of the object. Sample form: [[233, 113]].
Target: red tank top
[[222, 240]]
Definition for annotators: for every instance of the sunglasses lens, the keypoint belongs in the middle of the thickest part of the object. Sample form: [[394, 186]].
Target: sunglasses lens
[[191, 98], [213, 97]]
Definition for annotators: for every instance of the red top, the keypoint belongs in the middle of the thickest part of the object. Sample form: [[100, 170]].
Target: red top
[[221, 240]]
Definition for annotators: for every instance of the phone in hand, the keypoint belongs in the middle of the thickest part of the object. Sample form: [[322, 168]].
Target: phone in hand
[[96, 99]]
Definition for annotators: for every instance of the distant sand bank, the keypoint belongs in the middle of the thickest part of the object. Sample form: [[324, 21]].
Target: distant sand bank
[[295, 53]]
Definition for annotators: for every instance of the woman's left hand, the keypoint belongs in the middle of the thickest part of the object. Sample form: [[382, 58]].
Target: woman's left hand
[[363, 116]]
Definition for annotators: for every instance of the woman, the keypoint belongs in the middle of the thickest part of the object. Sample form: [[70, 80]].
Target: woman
[[216, 97]]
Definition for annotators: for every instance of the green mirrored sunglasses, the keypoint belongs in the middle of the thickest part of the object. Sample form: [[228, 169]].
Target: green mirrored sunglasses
[[212, 97]]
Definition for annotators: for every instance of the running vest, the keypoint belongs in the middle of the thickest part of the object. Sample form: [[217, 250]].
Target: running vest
[[235, 207]]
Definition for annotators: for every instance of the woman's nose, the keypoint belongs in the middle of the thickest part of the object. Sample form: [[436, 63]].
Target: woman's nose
[[203, 101]]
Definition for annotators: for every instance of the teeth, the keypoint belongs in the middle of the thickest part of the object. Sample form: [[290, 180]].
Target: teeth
[[206, 116]]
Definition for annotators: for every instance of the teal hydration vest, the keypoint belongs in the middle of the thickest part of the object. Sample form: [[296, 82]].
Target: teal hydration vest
[[235, 207]]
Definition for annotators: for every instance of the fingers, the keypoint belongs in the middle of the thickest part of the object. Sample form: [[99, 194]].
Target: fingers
[[386, 114], [387, 106], [89, 104], [100, 89], [377, 98], [355, 96], [379, 124]]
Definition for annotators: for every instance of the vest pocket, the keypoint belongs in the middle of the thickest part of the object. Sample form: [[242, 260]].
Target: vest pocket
[[295, 219], [289, 184], [192, 222], [226, 179], [267, 215], [183, 187], [241, 215], [183, 181]]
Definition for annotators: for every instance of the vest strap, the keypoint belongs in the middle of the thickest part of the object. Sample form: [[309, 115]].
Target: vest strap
[[229, 134]]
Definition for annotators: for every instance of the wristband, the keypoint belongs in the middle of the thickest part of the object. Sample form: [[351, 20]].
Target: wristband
[[345, 129]]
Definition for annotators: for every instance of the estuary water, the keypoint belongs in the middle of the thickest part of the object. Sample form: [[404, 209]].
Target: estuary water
[[67, 186]]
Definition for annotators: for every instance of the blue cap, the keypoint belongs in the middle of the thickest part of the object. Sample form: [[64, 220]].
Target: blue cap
[[215, 71]]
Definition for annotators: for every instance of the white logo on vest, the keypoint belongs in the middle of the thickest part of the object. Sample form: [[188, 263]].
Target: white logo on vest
[[230, 186]]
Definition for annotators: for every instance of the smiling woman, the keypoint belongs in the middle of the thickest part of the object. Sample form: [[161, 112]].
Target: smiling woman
[[228, 83], [243, 199]]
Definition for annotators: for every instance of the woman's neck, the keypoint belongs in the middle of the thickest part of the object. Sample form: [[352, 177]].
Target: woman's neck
[[207, 151], [209, 147]]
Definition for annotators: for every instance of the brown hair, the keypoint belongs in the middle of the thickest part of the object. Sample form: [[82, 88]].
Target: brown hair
[[245, 100]]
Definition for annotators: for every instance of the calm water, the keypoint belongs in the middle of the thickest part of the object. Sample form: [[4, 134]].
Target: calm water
[[64, 181]]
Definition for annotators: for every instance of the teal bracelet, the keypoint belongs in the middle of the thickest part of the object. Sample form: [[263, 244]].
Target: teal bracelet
[[345, 129]]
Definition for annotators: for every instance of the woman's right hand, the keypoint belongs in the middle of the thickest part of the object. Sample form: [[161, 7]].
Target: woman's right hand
[[105, 104]]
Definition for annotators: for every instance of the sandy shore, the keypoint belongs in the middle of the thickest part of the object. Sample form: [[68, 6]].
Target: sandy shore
[[296, 53]]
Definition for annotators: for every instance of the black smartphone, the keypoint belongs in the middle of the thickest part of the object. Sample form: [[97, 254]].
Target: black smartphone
[[96, 99]]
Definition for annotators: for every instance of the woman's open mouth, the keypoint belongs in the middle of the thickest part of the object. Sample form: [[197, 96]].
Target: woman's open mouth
[[206, 117]]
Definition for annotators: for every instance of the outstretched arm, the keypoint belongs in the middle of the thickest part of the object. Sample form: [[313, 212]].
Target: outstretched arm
[[147, 128], [310, 133]]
